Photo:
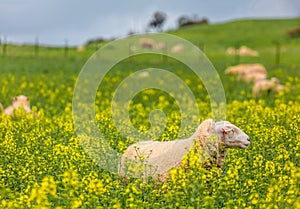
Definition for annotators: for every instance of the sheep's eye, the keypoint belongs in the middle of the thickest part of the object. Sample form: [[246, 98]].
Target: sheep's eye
[[224, 131], [230, 132]]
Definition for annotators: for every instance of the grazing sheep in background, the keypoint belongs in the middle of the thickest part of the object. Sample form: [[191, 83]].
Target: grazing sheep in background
[[294, 33], [252, 76], [266, 85], [18, 102], [246, 68], [156, 159], [245, 51], [231, 51], [143, 74], [147, 43], [248, 72], [242, 51], [80, 48], [177, 48], [236, 70]]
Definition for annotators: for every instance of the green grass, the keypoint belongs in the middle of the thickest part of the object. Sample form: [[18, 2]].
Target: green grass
[[43, 165]]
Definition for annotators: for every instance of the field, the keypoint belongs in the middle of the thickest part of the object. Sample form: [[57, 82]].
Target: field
[[43, 165]]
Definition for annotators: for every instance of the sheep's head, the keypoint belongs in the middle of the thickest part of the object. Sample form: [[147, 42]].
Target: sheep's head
[[21, 101], [231, 136]]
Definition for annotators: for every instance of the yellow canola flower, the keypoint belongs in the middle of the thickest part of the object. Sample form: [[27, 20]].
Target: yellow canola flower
[[76, 204]]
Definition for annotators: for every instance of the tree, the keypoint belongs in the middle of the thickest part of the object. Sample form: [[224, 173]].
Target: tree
[[194, 20], [158, 20], [184, 20]]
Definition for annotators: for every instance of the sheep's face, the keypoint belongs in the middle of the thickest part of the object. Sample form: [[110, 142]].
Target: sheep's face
[[232, 136], [21, 101]]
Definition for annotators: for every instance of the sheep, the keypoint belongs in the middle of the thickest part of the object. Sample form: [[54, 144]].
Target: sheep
[[18, 102], [147, 43], [80, 48], [266, 85], [144, 74], [294, 33], [245, 51], [177, 48], [156, 159], [231, 51], [252, 76], [242, 51], [245, 68]]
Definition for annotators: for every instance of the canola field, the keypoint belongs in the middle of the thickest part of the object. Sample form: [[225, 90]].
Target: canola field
[[43, 165]]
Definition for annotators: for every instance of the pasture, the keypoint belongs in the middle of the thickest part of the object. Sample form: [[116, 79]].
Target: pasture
[[43, 165]]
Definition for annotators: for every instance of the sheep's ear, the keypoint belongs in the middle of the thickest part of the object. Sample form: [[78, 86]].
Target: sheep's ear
[[206, 126], [14, 99]]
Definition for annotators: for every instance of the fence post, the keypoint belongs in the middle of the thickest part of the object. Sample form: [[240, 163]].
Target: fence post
[[36, 47], [4, 46], [66, 48], [129, 49], [237, 53], [277, 53]]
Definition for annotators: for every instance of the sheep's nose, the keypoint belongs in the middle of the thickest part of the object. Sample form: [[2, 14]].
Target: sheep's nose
[[248, 139]]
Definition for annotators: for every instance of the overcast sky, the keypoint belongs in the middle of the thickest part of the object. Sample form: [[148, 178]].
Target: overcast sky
[[54, 21]]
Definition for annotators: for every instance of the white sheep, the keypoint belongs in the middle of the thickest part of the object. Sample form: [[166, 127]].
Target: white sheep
[[156, 159], [246, 68], [266, 86], [242, 51], [231, 51], [177, 48], [245, 51], [147, 43], [252, 76], [80, 48], [18, 102], [144, 74]]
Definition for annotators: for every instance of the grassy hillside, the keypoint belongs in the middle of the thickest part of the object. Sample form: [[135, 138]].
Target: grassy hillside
[[253, 33]]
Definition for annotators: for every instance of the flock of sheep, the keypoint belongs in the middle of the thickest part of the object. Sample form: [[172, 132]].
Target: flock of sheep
[[257, 74], [242, 51], [148, 43]]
